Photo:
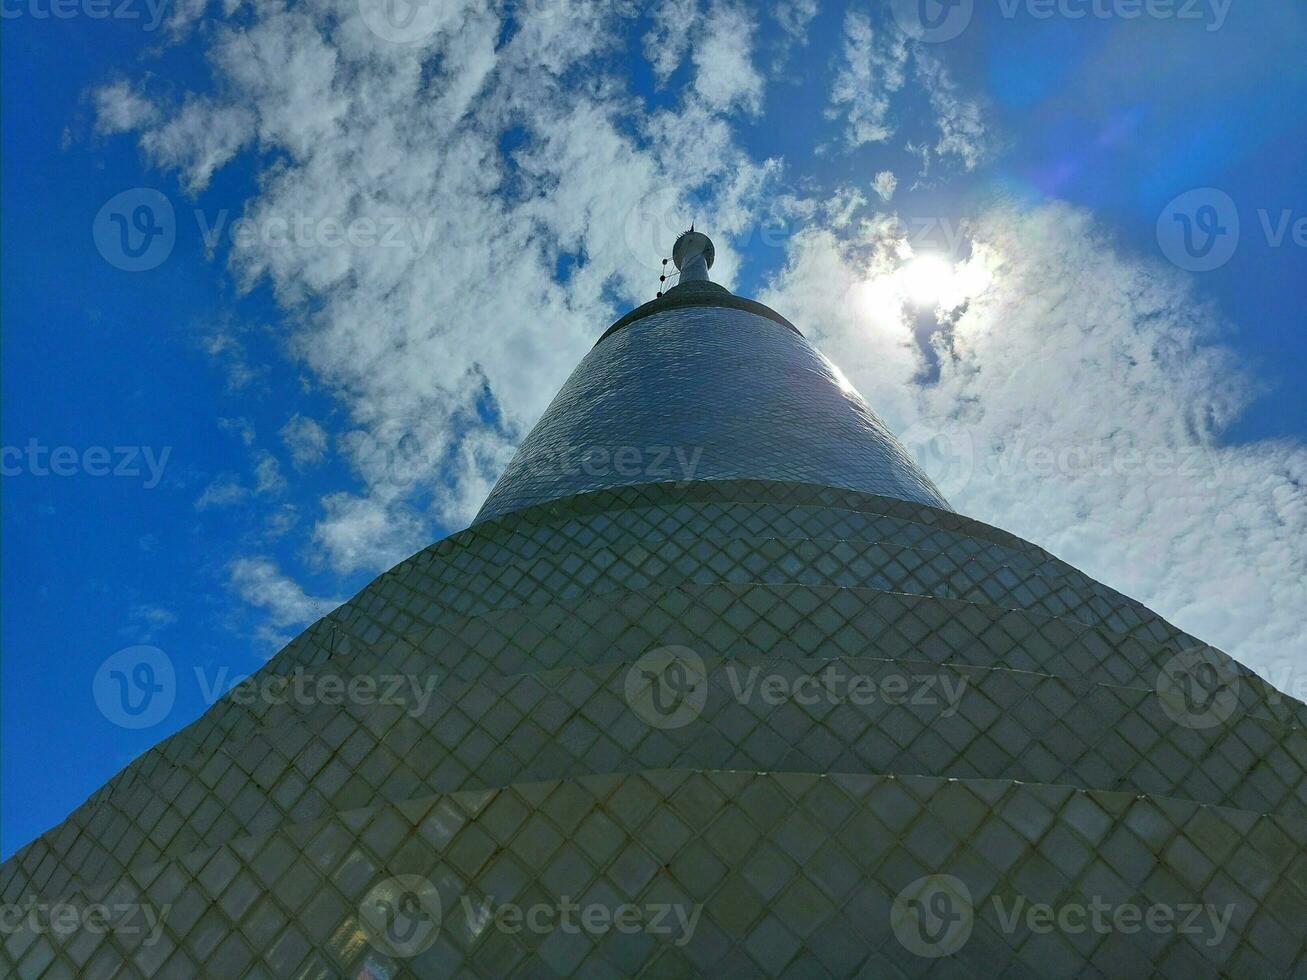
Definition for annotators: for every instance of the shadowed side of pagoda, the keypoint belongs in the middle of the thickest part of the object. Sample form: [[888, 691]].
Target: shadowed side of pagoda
[[786, 714]]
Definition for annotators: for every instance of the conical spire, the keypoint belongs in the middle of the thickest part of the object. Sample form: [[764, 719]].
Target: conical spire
[[704, 385]]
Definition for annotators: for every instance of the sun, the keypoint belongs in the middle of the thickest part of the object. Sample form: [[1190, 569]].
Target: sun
[[926, 280]]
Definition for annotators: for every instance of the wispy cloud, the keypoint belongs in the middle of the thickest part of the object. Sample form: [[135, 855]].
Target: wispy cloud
[[667, 41], [1082, 398], [871, 82], [305, 439], [224, 491], [872, 71], [121, 107], [439, 358], [725, 74], [147, 621], [259, 582]]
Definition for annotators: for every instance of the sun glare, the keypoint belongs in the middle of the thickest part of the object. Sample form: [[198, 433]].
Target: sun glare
[[930, 280], [926, 279]]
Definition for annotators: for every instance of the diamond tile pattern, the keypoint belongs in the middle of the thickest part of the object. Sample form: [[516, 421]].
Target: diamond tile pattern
[[783, 874], [889, 692], [711, 394], [1015, 741]]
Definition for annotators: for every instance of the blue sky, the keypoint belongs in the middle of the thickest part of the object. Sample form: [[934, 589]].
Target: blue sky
[[525, 174]]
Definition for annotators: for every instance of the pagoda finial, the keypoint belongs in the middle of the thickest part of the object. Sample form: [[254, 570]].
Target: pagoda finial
[[693, 254]]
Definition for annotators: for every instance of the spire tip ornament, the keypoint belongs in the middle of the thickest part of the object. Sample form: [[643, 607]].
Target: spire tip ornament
[[693, 254]]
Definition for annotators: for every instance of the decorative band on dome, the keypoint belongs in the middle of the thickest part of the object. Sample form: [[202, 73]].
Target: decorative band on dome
[[697, 294]]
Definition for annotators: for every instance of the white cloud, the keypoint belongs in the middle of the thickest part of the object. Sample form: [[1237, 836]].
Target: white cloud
[[281, 521], [483, 456], [794, 17], [961, 124], [198, 139], [668, 40], [872, 76], [226, 489], [120, 108], [239, 425], [305, 439], [222, 492], [368, 533], [1085, 399], [415, 341], [147, 622], [226, 347], [885, 184], [184, 15], [259, 582], [267, 475], [725, 76], [440, 358], [842, 205], [871, 73]]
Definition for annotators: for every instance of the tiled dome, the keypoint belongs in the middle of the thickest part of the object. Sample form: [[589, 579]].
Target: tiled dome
[[707, 393], [1023, 735]]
